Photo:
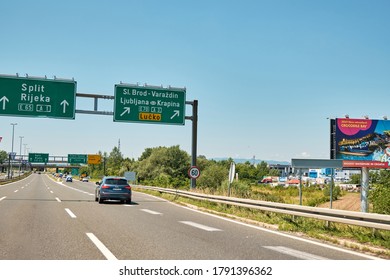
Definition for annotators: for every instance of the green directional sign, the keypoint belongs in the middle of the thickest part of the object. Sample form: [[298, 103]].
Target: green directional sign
[[157, 105], [76, 158], [38, 158], [32, 97]]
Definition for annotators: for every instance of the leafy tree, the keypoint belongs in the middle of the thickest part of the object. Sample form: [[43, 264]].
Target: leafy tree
[[380, 194], [3, 157], [167, 166], [114, 162], [355, 179], [213, 176]]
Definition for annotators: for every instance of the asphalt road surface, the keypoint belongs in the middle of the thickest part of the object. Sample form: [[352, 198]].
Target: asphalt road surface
[[42, 219]]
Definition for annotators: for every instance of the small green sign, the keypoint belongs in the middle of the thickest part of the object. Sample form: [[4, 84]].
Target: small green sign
[[139, 104], [38, 158], [37, 97], [76, 158]]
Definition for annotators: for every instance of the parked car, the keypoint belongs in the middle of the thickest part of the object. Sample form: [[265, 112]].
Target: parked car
[[69, 178], [113, 188], [84, 179]]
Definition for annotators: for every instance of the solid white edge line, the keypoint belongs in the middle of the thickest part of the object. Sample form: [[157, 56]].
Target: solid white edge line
[[275, 232], [102, 248], [70, 213]]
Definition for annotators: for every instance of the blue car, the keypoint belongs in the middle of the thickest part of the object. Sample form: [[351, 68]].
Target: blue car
[[113, 188]]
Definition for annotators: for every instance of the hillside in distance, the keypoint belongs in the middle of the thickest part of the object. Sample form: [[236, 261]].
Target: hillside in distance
[[254, 161]]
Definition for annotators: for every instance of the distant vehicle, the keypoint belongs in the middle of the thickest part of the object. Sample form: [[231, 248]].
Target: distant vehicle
[[84, 179], [113, 188], [69, 179]]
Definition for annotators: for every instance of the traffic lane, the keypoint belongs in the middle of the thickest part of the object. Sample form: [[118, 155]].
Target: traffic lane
[[9, 188], [250, 242], [133, 234], [67, 191], [36, 226], [175, 251], [138, 232]]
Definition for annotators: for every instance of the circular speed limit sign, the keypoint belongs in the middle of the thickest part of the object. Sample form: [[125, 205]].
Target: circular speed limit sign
[[194, 172]]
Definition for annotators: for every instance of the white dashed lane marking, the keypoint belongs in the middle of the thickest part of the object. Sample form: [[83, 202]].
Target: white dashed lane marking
[[102, 248], [151, 212], [70, 213], [203, 227], [295, 253]]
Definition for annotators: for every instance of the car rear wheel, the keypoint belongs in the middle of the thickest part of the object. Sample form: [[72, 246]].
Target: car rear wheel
[[128, 201], [100, 200]]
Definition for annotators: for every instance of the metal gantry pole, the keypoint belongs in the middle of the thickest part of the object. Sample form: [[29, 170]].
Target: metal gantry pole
[[194, 119]]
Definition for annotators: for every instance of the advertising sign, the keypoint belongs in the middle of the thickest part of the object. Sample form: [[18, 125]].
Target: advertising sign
[[362, 140]]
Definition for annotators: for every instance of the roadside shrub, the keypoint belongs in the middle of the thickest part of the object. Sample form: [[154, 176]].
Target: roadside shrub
[[336, 192], [380, 199]]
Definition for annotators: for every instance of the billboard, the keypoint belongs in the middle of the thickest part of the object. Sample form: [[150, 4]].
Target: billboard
[[361, 140]]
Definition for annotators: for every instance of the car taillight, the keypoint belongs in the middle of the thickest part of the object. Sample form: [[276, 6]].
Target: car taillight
[[128, 187], [105, 187]]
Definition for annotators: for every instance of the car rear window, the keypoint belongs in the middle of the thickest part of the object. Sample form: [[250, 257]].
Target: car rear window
[[116, 182]]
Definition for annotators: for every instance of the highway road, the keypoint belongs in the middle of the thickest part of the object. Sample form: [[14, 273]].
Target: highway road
[[42, 219]]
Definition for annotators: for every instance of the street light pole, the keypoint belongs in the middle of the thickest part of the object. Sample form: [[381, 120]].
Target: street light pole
[[12, 151], [20, 154]]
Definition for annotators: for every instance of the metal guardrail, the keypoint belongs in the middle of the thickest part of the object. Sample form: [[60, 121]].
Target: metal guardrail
[[371, 220]]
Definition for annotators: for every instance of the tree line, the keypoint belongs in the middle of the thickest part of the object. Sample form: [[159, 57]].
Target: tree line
[[168, 167]]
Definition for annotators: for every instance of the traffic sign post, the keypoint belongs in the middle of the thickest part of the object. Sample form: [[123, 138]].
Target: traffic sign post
[[35, 97], [157, 105], [38, 158], [77, 159]]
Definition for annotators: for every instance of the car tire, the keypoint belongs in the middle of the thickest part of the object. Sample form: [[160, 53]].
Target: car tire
[[100, 200], [128, 201]]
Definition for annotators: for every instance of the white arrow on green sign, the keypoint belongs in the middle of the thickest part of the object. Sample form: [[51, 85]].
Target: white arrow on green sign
[[37, 97], [38, 158], [77, 158], [157, 105]]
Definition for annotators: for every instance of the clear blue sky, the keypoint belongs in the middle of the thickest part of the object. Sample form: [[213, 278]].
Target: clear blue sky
[[267, 74]]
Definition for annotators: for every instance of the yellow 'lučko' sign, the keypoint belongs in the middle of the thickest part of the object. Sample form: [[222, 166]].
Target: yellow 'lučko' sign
[[94, 159]]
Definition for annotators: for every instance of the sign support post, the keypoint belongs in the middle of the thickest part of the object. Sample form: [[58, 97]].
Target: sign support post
[[194, 119], [364, 190]]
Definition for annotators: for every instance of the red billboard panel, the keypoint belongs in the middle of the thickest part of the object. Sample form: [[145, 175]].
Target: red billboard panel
[[364, 163]]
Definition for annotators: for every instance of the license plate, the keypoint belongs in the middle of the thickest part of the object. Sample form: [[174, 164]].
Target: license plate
[[116, 189]]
